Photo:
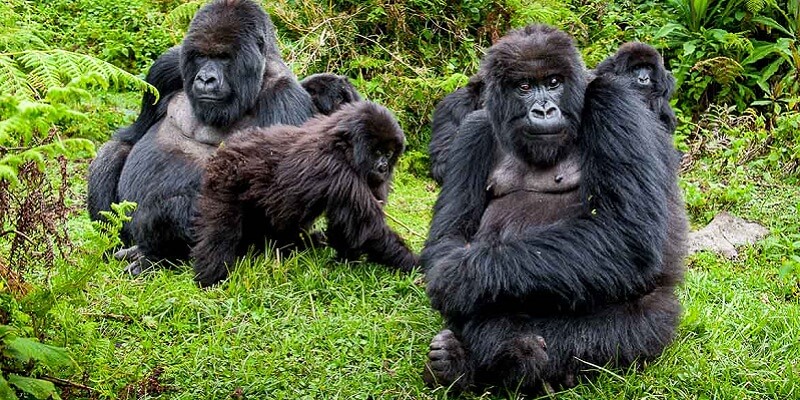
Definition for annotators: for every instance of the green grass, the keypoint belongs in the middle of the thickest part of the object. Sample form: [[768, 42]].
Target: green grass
[[308, 327]]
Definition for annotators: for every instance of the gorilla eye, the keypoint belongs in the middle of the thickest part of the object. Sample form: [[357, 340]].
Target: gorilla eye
[[525, 87], [554, 82]]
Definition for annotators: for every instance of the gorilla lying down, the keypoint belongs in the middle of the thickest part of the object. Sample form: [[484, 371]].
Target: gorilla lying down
[[559, 234], [273, 183]]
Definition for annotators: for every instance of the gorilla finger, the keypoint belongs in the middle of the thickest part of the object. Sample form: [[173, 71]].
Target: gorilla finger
[[436, 355], [129, 254]]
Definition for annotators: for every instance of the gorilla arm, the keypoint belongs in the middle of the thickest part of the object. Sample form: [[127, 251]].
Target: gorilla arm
[[459, 208], [610, 253], [283, 100], [356, 224]]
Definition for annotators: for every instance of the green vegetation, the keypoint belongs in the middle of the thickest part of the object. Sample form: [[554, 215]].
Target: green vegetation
[[72, 327]]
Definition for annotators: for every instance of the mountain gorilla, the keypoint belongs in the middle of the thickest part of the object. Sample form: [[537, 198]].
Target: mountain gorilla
[[642, 64], [273, 183], [105, 169], [233, 77], [559, 234], [447, 117], [329, 91], [636, 62]]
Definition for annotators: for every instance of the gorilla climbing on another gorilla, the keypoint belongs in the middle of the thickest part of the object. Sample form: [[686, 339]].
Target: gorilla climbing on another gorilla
[[233, 77], [559, 234], [637, 62], [641, 64], [329, 92], [273, 183]]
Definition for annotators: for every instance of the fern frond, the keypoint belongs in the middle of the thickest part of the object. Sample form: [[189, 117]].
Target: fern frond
[[55, 68], [754, 6], [723, 69], [13, 81], [177, 21]]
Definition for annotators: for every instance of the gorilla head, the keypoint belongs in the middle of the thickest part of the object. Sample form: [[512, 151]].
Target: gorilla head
[[641, 65], [330, 91], [377, 144], [223, 59], [535, 83]]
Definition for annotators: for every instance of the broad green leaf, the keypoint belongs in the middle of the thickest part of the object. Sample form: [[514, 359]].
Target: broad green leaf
[[6, 392], [760, 19], [25, 349], [37, 388], [760, 50]]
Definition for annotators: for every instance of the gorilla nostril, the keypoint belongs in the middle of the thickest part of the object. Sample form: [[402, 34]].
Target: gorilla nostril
[[538, 112], [552, 112]]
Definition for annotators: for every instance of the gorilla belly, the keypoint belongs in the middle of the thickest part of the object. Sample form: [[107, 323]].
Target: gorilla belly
[[517, 211], [524, 196]]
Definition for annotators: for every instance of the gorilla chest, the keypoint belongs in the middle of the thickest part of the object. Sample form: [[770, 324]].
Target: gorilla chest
[[522, 196]]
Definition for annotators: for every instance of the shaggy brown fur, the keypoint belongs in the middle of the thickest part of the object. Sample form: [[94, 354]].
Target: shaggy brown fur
[[273, 183]]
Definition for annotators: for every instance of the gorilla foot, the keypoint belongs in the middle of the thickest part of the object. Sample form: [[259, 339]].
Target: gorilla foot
[[524, 359], [129, 254], [447, 363], [137, 267]]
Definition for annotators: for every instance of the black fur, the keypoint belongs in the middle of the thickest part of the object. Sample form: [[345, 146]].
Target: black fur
[[105, 169], [232, 76], [447, 117], [273, 183], [659, 85], [330, 91], [454, 108], [526, 298]]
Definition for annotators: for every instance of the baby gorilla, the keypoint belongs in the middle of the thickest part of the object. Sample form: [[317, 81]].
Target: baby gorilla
[[641, 64], [329, 91], [273, 183]]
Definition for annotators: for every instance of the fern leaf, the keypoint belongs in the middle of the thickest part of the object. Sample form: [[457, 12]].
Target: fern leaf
[[13, 81], [177, 21]]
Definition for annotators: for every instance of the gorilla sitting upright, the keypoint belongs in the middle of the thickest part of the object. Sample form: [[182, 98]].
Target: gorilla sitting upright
[[559, 235], [636, 62], [232, 77]]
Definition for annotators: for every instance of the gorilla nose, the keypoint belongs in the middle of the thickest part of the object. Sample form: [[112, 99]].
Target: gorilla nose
[[206, 83], [545, 111], [383, 167], [644, 80]]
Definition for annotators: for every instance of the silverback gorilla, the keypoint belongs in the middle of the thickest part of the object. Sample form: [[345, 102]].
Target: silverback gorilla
[[637, 62], [106, 167], [233, 77], [273, 183], [559, 235]]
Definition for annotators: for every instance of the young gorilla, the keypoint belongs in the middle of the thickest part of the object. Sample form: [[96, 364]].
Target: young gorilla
[[273, 183], [559, 234], [232, 77], [641, 64], [329, 91]]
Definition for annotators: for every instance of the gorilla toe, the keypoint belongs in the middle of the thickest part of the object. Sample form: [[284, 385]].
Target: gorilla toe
[[447, 363]]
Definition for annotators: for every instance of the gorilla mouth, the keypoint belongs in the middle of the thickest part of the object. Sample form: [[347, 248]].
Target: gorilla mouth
[[211, 98]]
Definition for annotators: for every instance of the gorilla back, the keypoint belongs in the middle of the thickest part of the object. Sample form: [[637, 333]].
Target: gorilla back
[[233, 77], [558, 237]]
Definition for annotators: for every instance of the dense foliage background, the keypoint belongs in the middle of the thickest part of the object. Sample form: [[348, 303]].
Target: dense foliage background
[[70, 326]]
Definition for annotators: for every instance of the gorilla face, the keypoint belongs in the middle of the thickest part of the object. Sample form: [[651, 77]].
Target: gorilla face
[[223, 60], [642, 74], [535, 84]]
